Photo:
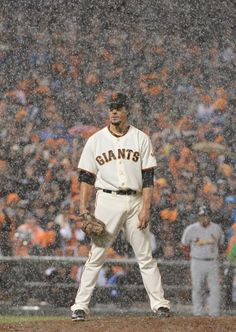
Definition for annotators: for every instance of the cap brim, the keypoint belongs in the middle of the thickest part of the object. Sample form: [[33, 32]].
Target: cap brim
[[117, 105]]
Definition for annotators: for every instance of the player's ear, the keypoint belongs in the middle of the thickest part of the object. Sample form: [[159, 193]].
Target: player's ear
[[127, 111]]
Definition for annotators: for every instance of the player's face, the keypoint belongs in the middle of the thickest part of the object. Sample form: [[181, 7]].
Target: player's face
[[118, 116], [204, 221]]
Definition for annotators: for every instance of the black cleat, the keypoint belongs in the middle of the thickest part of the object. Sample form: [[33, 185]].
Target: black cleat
[[163, 312], [78, 315]]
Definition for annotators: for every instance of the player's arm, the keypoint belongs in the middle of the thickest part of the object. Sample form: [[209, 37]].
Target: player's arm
[[185, 243], [186, 250], [87, 181], [144, 215]]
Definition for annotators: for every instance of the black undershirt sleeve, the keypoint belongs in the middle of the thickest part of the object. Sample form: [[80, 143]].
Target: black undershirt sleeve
[[148, 177], [90, 178], [87, 177]]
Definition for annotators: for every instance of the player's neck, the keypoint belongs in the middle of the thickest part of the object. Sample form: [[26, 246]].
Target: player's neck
[[118, 130]]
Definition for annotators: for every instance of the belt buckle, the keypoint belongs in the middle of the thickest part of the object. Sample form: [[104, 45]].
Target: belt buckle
[[131, 192]]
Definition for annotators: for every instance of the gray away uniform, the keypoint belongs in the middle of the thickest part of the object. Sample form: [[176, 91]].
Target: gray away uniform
[[204, 245]]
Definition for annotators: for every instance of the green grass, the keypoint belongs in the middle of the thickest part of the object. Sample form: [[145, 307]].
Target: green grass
[[17, 319]]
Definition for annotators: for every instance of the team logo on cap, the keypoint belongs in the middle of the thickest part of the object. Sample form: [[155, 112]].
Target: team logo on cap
[[203, 210], [117, 100], [114, 96]]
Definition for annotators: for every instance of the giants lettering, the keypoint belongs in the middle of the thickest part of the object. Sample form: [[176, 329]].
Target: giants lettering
[[120, 154], [135, 156]]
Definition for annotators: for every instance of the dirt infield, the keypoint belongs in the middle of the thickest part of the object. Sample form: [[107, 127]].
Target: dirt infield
[[127, 324]]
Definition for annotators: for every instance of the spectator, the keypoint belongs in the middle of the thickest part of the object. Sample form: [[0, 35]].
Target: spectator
[[5, 228], [230, 214], [64, 221], [28, 237], [230, 272]]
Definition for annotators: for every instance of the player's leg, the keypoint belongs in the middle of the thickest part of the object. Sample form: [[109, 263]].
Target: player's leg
[[214, 288], [198, 284], [110, 210], [88, 279], [140, 242]]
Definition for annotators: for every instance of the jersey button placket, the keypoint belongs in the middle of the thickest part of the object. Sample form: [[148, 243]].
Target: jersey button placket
[[123, 179], [121, 173], [121, 170]]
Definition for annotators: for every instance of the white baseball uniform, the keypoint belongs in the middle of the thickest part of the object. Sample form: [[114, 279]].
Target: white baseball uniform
[[117, 163], [204, 245]]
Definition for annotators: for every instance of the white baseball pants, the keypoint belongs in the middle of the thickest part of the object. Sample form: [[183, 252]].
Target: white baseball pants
[[121, 211], [203, 272]]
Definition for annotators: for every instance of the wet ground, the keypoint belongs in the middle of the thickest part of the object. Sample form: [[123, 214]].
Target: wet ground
[[127, 324]]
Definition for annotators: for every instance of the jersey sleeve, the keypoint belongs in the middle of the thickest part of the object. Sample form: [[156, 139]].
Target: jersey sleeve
[[148, 157], [87, 160]]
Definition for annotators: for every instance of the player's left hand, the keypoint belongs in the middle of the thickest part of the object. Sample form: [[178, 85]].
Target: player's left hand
[[143, 216]]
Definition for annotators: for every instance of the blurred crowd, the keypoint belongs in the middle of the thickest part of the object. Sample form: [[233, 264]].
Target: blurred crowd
[[54, 79]]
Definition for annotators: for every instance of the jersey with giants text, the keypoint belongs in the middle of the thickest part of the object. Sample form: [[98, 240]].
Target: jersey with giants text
[[118, 162]]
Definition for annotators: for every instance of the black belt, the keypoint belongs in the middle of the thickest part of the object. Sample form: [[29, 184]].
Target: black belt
[[204, 259], [120, 192]]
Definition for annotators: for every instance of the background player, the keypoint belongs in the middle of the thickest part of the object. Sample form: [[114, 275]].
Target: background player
[[204, 238], [119, 161]]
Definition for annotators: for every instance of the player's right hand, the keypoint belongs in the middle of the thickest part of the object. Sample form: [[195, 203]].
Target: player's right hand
[[143, 216]]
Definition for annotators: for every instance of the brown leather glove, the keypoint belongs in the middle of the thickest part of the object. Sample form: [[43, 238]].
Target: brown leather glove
[[90, 225]]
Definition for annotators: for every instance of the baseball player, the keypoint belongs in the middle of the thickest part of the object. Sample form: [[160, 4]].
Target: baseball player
[[204, 238], [119, 161]]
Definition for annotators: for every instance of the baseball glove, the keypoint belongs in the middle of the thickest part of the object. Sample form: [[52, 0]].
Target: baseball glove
[[90, 225]]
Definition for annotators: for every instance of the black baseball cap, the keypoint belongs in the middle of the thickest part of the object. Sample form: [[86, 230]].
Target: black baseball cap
[[117, 100], [204, 210]]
